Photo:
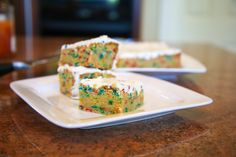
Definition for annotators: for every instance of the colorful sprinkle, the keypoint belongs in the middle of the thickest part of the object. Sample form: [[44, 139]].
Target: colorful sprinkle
[[168, 58], [94, 49], [90, 89], [104, 49], [91, 65], [130, 96], [74, 55], [110, 102], [76, 64], [115, 93], [92, 75], [101, 92], [101, 56]]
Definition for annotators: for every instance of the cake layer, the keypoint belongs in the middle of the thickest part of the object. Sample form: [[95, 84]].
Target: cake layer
[[70, 76], [110, 96], [94, 53]]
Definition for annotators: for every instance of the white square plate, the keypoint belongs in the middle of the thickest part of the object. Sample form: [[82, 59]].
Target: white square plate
[[160, 98], [189, 65]]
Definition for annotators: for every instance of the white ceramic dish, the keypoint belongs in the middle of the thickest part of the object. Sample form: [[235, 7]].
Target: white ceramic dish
[[189, 65], [161, 97]]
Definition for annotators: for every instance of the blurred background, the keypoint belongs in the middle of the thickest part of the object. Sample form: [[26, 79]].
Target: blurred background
[[172, 21], [211, 21], [78, 18]]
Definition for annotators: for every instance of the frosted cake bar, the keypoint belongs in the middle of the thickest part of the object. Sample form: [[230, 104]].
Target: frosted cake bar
[[110, 96], [148, 55], [94, 53], [70, 76]]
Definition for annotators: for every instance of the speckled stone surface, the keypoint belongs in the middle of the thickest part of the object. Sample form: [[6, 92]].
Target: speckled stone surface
[[203, 131]]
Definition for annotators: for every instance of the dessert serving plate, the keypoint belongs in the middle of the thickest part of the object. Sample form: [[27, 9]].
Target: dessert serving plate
[[160, 98]]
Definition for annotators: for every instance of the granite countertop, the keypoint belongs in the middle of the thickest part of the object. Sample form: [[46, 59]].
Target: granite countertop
[[202, 131]]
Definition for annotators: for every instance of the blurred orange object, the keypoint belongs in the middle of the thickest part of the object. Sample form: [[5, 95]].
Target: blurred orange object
[[5, 38]]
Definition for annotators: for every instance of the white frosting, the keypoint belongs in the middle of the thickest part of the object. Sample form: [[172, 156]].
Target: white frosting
[[76, 72], [148, 54], [145, 50], [80, 69], [128, 86], [143, 46], [101, 39]]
